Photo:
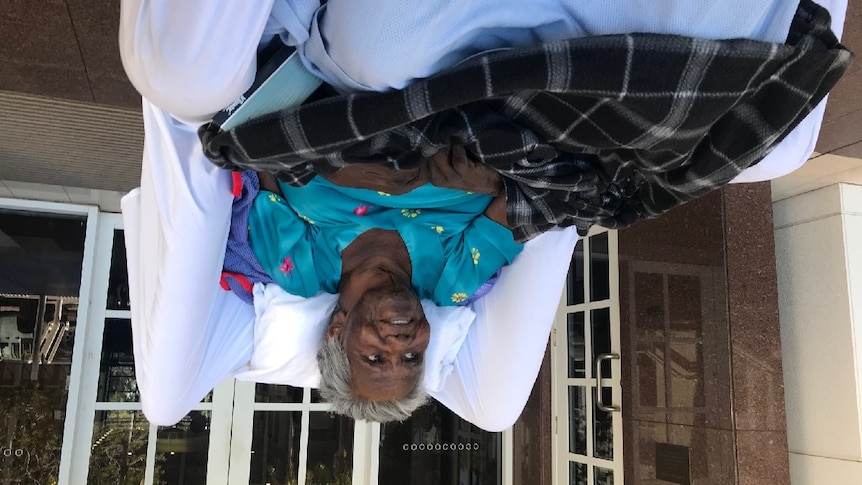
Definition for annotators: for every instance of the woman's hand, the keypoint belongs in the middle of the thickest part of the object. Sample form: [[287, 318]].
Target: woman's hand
[[455, 170], [378, 177], [451, 169]]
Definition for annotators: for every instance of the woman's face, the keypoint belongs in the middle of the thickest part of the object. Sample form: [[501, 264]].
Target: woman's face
[[385, 336]]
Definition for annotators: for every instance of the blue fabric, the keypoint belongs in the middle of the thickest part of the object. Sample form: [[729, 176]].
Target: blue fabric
[[238, 257], [454, 249]]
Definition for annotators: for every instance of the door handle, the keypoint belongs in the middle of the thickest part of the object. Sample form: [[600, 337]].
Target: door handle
[[599, 404]]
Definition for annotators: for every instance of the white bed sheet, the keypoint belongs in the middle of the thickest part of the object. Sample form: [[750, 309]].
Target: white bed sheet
[[189, 334]]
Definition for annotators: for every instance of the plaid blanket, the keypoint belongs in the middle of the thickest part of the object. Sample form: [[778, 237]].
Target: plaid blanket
[[600, 130]]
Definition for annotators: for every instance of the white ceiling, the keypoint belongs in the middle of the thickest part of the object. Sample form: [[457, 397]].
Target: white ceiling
[[66, 143], [819, 171]]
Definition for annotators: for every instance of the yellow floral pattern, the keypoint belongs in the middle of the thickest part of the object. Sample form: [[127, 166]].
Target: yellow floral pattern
[[476, 255], [304, 218], [458, 297], [437, 229], [410, 213], [273, 198], [384, 194]]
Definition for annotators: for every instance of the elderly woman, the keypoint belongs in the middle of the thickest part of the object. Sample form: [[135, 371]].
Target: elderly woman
[[190, 59], [382, 240]]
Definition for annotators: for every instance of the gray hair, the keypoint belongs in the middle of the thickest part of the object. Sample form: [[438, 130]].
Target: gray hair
[[335, 389]]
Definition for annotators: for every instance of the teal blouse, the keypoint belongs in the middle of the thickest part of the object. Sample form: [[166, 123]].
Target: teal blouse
[[453, 247]]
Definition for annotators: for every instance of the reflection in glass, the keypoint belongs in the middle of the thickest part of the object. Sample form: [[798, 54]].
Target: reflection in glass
[[436, 447], [650, 373], [600, 288], [18, 315], [577, 473], [603, 476], [182, 449], [577, 351], [40, 276], [577, 420], [117, 370], [118, 280], [649, 304], [600, 324], [41, 254], [330, 449], [685, 305], [275, 447], [119, 449], [686, 375], [575, 288], [277, 393], [603, 426]]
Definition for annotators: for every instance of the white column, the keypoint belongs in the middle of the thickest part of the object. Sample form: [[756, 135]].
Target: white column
[[818, 245]]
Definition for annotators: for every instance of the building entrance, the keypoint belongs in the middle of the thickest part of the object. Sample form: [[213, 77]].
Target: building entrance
[[585, 355]]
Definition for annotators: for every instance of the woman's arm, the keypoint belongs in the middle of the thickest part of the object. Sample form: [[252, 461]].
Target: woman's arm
[[269, 183], [497, 210], [497, 365], [451, 169], [455, 169]]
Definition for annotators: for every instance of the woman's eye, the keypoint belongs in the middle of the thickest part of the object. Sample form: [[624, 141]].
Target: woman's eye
[[410, 356], [374, 358]]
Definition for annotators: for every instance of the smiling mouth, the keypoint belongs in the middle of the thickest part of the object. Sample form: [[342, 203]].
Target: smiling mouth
[[399, 321]]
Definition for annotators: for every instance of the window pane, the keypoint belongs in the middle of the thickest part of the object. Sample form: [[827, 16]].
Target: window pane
[[41, 254], [603, 426], [330, 449], [118, 281], [119, 449], [577, 473], [603, 476], [275, 447], [40, 275], [577, 420], [599, 268], [436, 447], [600, 323], [576, 344], [277, 393], [117, 372], [182, 450], [575, 291]]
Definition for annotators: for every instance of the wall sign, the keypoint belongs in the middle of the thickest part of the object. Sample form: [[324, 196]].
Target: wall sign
[[672, 463]]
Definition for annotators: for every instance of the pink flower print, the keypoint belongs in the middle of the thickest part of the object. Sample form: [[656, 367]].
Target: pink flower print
[[362, 210], [286, 266]]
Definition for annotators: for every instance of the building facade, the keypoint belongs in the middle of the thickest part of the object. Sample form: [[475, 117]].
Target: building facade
[[699, 347]]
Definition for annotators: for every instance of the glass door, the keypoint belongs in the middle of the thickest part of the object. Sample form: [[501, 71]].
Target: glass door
[[44, 250], [111, 441], [436, 447], [586, 368], [283, 435]]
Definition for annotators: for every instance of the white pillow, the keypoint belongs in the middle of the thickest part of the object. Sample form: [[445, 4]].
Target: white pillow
[[288, 330]]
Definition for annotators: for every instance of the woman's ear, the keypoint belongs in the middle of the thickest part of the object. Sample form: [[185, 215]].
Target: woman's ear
[[336, 323]]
